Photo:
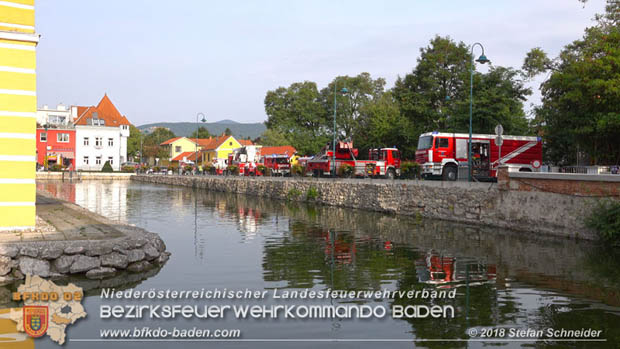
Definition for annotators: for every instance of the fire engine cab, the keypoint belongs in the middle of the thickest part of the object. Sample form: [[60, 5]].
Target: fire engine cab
[[445, 154]]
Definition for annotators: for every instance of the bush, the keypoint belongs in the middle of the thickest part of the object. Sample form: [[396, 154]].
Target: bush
[[261, 169], [188, 168], [345, 170], [156, 169], [107, 167], [293, 194], [56, 167], [312, 194], [233, 170], [174, 168], [128, 169], [410, 170], [298, 170], [210, 169], [144, 168], [605, 220]]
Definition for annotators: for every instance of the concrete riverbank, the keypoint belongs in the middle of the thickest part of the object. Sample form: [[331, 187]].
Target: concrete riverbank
[[492, 204], [70, 240]]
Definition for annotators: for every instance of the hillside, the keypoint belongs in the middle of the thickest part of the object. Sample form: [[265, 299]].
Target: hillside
[[239, 130]]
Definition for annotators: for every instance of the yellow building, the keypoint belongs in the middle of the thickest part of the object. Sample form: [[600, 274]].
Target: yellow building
[[178, 145], [218, 148], [18, 107]]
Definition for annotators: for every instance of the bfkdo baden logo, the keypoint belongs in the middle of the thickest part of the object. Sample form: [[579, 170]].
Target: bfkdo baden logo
[[36, 319], [48, 308]]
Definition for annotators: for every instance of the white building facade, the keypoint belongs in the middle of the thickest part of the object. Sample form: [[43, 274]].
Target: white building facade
[[101, 136]]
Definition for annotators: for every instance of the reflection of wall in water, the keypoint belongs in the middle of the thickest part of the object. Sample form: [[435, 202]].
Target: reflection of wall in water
[[107, 199]]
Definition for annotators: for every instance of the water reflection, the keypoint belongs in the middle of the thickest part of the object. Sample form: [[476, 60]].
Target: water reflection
[[502, 278]]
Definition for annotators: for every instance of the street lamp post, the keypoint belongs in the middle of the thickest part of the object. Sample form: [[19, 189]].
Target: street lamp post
[[482, 60], [196, 139], [344, 90]]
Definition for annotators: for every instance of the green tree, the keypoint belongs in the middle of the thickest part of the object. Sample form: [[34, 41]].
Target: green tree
[[297, 111], [133, 142], [273, 138], [435, 95], [361, 90], [201, 132], [580, 98], [381, 125], [228, 131], [152, 141]]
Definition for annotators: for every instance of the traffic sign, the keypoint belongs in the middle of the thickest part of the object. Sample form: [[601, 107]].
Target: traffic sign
[[499, 140], [499, 130]]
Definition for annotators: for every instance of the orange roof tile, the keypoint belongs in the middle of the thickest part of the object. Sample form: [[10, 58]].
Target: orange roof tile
[[245, 142], [171, 140], [189, 155], [281, 150], [105, 111]]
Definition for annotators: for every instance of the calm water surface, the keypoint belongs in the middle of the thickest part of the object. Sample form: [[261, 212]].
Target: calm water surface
[[229, 241]]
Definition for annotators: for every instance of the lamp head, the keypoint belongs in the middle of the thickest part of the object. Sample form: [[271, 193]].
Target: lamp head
[[344, 90], [203, 119], [483, 59]]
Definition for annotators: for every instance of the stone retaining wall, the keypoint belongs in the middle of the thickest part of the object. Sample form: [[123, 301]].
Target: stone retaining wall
[[474, 203], [56, 176], [136, 250]]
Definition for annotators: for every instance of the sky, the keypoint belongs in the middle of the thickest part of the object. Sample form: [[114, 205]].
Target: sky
[[169, 60]]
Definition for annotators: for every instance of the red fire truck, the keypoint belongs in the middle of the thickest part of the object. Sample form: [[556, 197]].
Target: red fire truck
[[246, 159], [445, 154], [279, 164], [382, 162]]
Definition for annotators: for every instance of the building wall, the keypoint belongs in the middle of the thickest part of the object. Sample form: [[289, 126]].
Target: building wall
[[118, 150], [18, 107], [52, 146], [227, 147], [45, 114], [185, 144]]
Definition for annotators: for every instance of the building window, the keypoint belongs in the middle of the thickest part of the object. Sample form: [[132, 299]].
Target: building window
[[229, 143], [86, 160], [43, 137], [62, 137], [86, 141], [111, 160], [177, 149], [110, 142], [98, 160], [98, 141]]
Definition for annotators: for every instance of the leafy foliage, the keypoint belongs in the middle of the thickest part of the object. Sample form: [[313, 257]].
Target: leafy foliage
[[579, 113], [201, 132], [107, 167], [410, 170], [605, 220], [312, 194], [133, 142], [345, 170]]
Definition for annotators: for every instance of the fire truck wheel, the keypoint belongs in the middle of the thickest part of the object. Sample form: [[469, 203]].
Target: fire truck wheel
[[390, 174], [315, 173], [449, 173]]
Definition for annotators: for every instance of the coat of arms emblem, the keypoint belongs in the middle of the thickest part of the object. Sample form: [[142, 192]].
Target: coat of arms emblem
[[35, 320]]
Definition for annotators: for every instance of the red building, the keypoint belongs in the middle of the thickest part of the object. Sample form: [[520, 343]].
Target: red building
[[57, 146]]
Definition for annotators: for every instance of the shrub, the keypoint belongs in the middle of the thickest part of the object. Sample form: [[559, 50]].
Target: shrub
[[261, 169], [293, 194], [605, 220], [233, 170], [210, 169], [298, 170], [128, 169], [156, 169], [312, 194], [345, 170], [107, 167], [174, 168], [56, 167], [410, 169], [144, 168], [188, 168]]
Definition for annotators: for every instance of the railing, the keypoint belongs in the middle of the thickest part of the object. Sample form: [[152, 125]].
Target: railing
[[585, 169]]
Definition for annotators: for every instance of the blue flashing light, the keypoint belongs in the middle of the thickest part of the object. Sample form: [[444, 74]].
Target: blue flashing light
[[435, 132]]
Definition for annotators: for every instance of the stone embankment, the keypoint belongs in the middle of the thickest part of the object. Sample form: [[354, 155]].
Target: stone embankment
[[89, 245], [473, 203], [69, 176]]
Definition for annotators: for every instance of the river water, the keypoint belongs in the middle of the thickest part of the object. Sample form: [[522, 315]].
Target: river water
[[503, 280]]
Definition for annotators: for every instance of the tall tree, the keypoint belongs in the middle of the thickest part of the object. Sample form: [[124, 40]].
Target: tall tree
[[201, 132], [228, 131], [361, 90], [273, 138], [152, 141], [297, 112], [133, 142], [580, 98]]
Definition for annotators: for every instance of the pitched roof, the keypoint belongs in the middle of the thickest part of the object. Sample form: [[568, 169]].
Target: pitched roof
[[188, 155], [280, 150], [171, 140], [105, 111], [212, 143], [245, 142]]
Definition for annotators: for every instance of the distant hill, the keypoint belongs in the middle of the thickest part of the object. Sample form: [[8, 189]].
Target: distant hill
[[185, 129]]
